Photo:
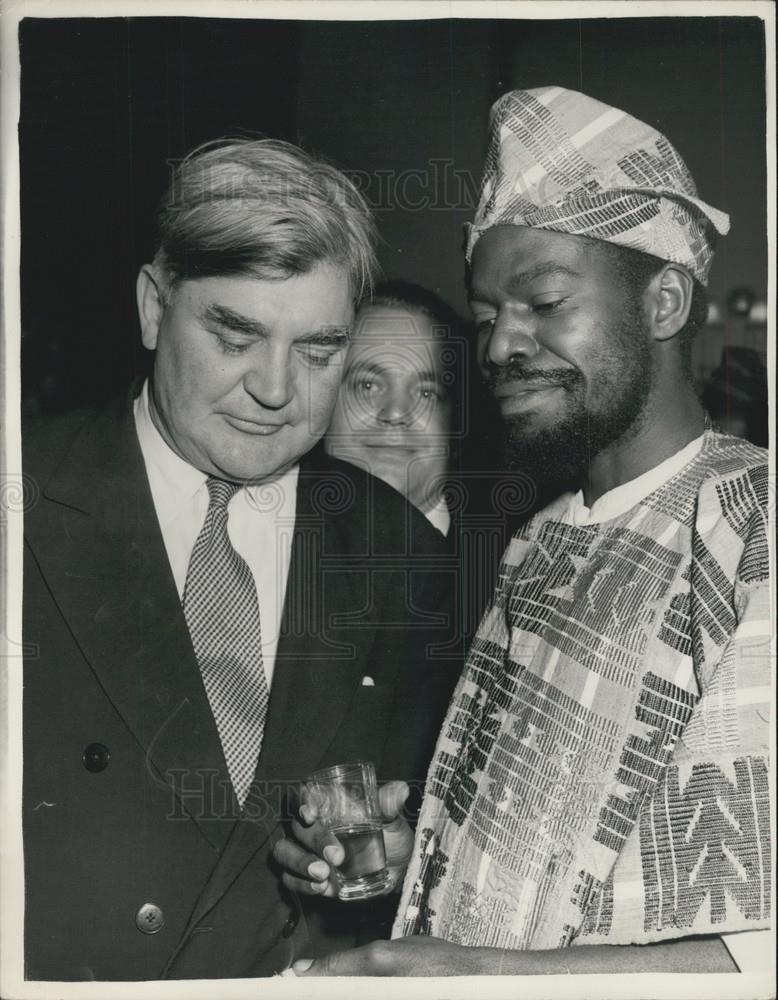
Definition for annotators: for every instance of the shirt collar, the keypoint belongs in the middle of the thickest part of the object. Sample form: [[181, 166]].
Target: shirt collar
[[622, 498], [174, 482], [170, 476]]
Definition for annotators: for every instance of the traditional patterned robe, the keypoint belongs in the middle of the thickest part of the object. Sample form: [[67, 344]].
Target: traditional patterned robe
[[602, 774]]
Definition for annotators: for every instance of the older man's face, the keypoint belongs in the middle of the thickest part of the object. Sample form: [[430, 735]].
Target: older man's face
[[562, 344], [247, 370]]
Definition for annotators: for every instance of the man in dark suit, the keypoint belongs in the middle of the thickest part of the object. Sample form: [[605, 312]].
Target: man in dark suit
[[212, 613]]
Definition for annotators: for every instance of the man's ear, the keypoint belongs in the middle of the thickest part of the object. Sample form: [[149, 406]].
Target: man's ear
[[670, 298], [151, 305]]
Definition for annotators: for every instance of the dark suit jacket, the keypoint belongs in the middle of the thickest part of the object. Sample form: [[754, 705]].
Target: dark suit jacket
[[486, 508], [127, 799]]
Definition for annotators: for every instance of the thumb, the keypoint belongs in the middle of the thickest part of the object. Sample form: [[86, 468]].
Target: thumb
[[327, 965], [391, 798]]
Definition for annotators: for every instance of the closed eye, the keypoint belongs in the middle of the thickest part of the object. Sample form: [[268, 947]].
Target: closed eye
[[232, 347], [484, 326], [319, 350], [317, 358], [549, 306]]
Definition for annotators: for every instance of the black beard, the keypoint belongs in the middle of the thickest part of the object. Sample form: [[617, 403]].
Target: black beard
[[558, 457]]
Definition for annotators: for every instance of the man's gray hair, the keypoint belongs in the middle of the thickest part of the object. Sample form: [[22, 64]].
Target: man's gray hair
[[265, 208]]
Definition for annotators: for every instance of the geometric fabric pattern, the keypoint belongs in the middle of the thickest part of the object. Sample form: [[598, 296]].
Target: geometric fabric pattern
[[222, 614], [563, 161], [602, 773]]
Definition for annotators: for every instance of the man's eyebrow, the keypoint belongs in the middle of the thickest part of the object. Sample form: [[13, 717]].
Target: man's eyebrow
[[362, 368], [522, 278], [328, 336], [226, 317], [366, 368], [540, 270]]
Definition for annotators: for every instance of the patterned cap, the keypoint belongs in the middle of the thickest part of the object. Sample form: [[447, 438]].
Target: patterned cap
[[560, 160]]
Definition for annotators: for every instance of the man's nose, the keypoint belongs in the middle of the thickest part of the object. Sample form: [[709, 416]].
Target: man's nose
[[512, 337], [395, 408], [271, 384]]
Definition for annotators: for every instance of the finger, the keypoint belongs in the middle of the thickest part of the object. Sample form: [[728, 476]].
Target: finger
[[328, 888], [296, 860], [308, 811], [398, 836], [362, 961], [320, 841], [391, 798], [327, 965], [306, 835], [311, 800]]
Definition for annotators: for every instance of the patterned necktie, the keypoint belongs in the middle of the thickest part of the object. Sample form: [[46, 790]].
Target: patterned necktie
[[222, 614]]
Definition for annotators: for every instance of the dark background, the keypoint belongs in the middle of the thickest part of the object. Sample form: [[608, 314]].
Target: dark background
[[107, 102]]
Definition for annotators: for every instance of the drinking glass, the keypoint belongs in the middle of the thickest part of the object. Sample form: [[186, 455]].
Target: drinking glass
[[347, 799]]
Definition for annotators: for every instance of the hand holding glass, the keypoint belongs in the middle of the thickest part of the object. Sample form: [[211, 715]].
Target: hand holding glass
[[346, 797]]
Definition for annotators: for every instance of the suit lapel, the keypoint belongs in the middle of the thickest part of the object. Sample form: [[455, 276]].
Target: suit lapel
[[318, 665], [100, 547]]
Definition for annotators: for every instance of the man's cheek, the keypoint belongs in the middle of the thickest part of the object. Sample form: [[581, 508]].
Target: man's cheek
[[322, 402]]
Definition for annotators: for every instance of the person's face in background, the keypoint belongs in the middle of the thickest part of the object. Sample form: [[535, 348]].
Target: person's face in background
[[246, 370], [393, 412]]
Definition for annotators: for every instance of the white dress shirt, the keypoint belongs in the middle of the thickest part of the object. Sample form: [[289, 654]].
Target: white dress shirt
[[260, 524]]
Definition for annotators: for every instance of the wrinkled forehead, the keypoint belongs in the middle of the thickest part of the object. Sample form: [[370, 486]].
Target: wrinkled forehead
[[510, 257]]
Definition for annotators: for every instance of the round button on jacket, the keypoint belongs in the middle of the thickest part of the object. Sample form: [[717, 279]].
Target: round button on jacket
[[95, 757], [149, 919]]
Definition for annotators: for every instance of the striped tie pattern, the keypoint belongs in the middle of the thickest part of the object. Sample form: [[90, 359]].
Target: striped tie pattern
[[222, 614]]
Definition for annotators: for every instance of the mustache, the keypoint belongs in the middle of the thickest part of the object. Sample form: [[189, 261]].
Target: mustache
[[498, 375]]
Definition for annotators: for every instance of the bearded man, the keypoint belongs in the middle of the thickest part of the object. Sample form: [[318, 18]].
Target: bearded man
[[598, 800]]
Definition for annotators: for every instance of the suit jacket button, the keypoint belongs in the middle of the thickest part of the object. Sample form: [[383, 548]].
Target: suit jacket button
[[149, 919], [289, 926], [96, 757]]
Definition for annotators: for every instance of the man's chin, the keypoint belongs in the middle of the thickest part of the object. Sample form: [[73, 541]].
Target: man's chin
[[556, 458], [251, 471]]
